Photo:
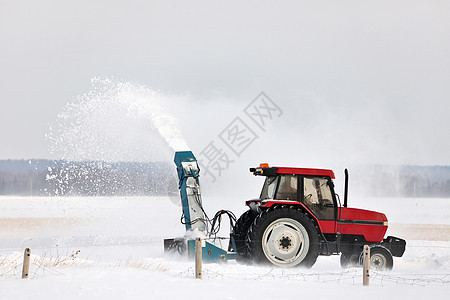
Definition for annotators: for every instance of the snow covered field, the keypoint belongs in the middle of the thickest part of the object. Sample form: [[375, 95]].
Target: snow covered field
[[112, 247]]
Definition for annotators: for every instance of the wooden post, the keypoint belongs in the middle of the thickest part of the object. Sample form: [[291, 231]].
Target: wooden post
[[198, 258], [366, 265], [26, 263]]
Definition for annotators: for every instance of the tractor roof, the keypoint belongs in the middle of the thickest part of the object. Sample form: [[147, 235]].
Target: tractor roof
[[265, 170], [305, 171]]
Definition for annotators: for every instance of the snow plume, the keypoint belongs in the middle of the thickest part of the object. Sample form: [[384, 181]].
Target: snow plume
[[112, 138], [116, 121]]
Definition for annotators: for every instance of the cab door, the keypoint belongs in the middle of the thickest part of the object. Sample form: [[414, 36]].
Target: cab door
[[318, 196]]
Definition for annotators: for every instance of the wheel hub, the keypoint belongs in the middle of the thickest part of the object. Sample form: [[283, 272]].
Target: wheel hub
[[378, 261], [285, 242]]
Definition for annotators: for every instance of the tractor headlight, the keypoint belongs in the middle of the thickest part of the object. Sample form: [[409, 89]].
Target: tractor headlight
[[385, 223]]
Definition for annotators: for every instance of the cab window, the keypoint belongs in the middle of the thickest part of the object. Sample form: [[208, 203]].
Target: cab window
[[287, 188], [317, 196], [269, 187]]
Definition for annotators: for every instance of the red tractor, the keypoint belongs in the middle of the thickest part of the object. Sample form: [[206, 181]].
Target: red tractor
[[298, 217]]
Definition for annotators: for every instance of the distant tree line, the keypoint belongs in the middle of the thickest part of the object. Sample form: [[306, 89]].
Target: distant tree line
[[92, 178], [97, 178]]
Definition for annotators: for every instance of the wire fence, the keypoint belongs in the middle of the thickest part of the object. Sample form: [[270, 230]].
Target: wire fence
[[11, 267], [344, 277], [43, 266]]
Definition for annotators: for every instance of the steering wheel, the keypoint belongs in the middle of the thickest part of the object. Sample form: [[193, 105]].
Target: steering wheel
[[307, 197]]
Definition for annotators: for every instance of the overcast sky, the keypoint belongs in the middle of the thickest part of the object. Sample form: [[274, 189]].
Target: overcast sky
[[358, 81]]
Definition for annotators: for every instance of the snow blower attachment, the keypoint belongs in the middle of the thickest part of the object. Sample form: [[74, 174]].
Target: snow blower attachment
[[188, 173], [194, 216], [297, 217]]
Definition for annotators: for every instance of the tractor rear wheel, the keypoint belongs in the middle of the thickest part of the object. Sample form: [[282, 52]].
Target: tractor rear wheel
[[380, 258], [240, 230], [283, 236]]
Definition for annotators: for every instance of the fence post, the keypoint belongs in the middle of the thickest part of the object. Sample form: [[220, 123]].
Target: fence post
[[26, 263], [198, 258], [366, 265]]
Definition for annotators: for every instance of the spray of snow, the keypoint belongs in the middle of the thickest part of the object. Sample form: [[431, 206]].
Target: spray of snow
[[116, 121], [102, 130]]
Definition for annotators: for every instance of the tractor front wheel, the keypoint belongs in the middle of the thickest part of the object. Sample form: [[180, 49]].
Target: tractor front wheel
[[283, 236], [380, 258]]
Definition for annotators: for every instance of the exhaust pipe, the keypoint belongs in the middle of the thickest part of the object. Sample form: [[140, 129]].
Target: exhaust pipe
[[346, 188]]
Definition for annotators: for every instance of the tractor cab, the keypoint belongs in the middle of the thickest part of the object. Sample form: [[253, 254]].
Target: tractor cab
[[313, 188]]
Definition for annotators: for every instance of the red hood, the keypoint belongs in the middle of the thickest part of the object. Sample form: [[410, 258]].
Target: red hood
[[371, 224], [361, 214]]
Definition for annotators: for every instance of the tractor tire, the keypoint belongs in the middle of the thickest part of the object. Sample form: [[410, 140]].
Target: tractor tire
[[240, 230], [349, 260], [380, 258], [284, 236]]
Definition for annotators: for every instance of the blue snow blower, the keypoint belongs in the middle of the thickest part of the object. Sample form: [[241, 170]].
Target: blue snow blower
[[194, 216]]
